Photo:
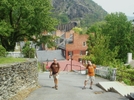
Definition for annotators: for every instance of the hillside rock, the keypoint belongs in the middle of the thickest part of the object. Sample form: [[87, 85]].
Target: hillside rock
[[79, 10]]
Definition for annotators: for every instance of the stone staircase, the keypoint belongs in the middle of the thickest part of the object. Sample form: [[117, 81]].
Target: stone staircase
[[118, 87]]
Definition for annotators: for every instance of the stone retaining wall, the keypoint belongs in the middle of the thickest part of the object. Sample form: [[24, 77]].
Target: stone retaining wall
[[17, 77]]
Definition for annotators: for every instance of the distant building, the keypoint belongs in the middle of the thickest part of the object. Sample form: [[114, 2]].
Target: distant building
[[70, 45], [73, 45]]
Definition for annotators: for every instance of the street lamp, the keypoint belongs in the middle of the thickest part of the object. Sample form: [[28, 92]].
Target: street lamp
[[71, 60]]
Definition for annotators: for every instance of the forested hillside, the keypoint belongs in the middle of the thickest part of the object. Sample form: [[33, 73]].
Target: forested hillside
[[84, 11]]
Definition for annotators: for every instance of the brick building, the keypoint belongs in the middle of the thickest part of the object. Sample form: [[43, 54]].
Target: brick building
[[73, 45]]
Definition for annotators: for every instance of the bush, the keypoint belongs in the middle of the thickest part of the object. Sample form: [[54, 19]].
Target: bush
[[41, 67], [27, 51], [2, 51], [126, 75], [127, 81], [128, 66]]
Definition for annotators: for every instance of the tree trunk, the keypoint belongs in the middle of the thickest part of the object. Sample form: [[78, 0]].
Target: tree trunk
[[7, 46]]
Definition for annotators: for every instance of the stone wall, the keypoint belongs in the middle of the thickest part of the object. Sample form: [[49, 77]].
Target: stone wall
[[17, 77]]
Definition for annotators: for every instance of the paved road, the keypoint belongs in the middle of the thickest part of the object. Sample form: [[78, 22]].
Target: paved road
[[70, 88]]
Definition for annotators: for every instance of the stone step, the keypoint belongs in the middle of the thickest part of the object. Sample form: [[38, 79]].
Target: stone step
[[116, 86]]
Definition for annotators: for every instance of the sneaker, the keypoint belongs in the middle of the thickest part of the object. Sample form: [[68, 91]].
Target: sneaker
[[56, 88], [91, 88], [53, 87], [84, 87]]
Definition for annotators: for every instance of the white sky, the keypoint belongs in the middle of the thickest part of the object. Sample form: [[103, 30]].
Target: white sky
[[125, 6]]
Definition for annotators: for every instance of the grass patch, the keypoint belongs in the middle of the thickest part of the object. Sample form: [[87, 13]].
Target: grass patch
[[6, 60]]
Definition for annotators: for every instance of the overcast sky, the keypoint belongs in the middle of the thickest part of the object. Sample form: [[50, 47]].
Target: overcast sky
[[125, 6]]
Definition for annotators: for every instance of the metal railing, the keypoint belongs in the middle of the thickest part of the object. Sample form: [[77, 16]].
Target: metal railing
[[102, 71], [66, 67], [106, 72], [15, 54]]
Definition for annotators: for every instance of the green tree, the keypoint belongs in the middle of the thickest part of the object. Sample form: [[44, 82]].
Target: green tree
[[48, 40], [28, 51], [63, 18], [98, 48], [21, 19], [96, 27], [77, 30], [120, 30], [98, 45], [2, 51]]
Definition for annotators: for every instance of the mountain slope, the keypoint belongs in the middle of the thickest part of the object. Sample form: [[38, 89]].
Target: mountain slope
[[85, 11]]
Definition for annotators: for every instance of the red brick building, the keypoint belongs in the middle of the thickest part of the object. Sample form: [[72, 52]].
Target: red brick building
[[72, 44]]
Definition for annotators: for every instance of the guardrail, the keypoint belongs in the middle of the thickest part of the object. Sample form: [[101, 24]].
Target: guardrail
[[66, 67], [106, 72], [102, 71], [15, 54]]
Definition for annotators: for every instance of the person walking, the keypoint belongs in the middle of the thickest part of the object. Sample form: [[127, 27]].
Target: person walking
[[54, 71], [90, 68]]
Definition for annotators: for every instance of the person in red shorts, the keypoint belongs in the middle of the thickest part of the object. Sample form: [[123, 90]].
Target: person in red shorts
[[54, 71], [90, 74]]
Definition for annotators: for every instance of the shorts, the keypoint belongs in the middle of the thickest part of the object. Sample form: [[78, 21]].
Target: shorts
[[56, 76], [91, 78]]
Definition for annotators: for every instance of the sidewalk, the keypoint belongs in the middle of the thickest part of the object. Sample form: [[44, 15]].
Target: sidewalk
[[70, 88]]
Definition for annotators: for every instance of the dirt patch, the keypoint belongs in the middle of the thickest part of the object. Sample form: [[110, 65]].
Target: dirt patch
[[24, 93], [99, 92]]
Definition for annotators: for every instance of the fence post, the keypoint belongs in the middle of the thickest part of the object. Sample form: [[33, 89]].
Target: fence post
[[113, 76]]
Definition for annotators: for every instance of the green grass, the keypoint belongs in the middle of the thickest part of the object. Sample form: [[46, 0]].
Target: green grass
[[7, 60]]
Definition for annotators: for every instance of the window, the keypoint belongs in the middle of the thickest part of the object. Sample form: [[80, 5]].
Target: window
[[82, 52], [63, 53], [84, 43], [70, 53], [80, 60]]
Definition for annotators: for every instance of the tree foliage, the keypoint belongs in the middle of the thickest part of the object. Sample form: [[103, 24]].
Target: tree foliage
[[77, 30], [2, 51], [112, 39], [96, 27], [62, 18], [21, 19], [28, 51], [48, 40], [98, 48], [120, 30]]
